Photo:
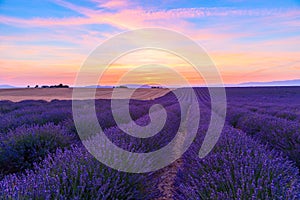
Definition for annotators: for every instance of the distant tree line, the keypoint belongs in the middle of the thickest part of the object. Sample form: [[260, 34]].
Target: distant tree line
[[120, 86], [156, 87], [51, 86]]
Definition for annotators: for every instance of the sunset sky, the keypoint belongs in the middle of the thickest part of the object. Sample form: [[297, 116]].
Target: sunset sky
[[45, 42]]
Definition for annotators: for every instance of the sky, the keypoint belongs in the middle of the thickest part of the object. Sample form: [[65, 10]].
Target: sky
[[46, 42]]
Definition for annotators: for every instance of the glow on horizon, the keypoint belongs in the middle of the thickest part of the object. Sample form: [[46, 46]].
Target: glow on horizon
[[249, 41]]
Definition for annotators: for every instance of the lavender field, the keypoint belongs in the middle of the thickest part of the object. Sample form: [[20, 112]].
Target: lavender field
[[256, 157]]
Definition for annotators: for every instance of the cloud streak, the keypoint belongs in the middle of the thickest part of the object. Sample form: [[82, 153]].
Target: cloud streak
[[245, 43]]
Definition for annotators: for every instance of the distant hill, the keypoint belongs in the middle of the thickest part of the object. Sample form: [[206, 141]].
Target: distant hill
[[6, 86], [295, 82], [137, 86], [126, 85], [98, 86]]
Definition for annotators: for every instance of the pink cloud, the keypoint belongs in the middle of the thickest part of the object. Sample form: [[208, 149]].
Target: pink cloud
[[116, 4], [218, 40], [127, 17]]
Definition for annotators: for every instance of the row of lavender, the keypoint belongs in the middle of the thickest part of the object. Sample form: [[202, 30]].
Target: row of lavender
[[281, 102], [31, 129], [270, 116], [242, 166], [288, 112], [277, 133], [239, 167], [49, 157]]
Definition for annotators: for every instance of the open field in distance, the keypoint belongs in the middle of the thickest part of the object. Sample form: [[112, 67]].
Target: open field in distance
[[49, 94]]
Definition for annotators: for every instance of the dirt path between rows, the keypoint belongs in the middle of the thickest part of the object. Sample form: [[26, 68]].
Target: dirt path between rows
[[169, 173]]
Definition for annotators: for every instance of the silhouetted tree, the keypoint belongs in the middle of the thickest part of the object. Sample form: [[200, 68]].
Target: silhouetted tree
[[59, 86]]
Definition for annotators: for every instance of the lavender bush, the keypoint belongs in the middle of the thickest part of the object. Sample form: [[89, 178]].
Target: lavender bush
[[75, 174], [238, 168], [20, 148], [281, 134]]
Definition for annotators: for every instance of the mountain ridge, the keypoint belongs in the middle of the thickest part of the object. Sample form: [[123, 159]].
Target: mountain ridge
[[5, 86], [294, 82]]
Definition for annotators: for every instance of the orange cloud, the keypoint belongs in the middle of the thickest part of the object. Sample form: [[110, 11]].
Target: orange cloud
[[238, 62]]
